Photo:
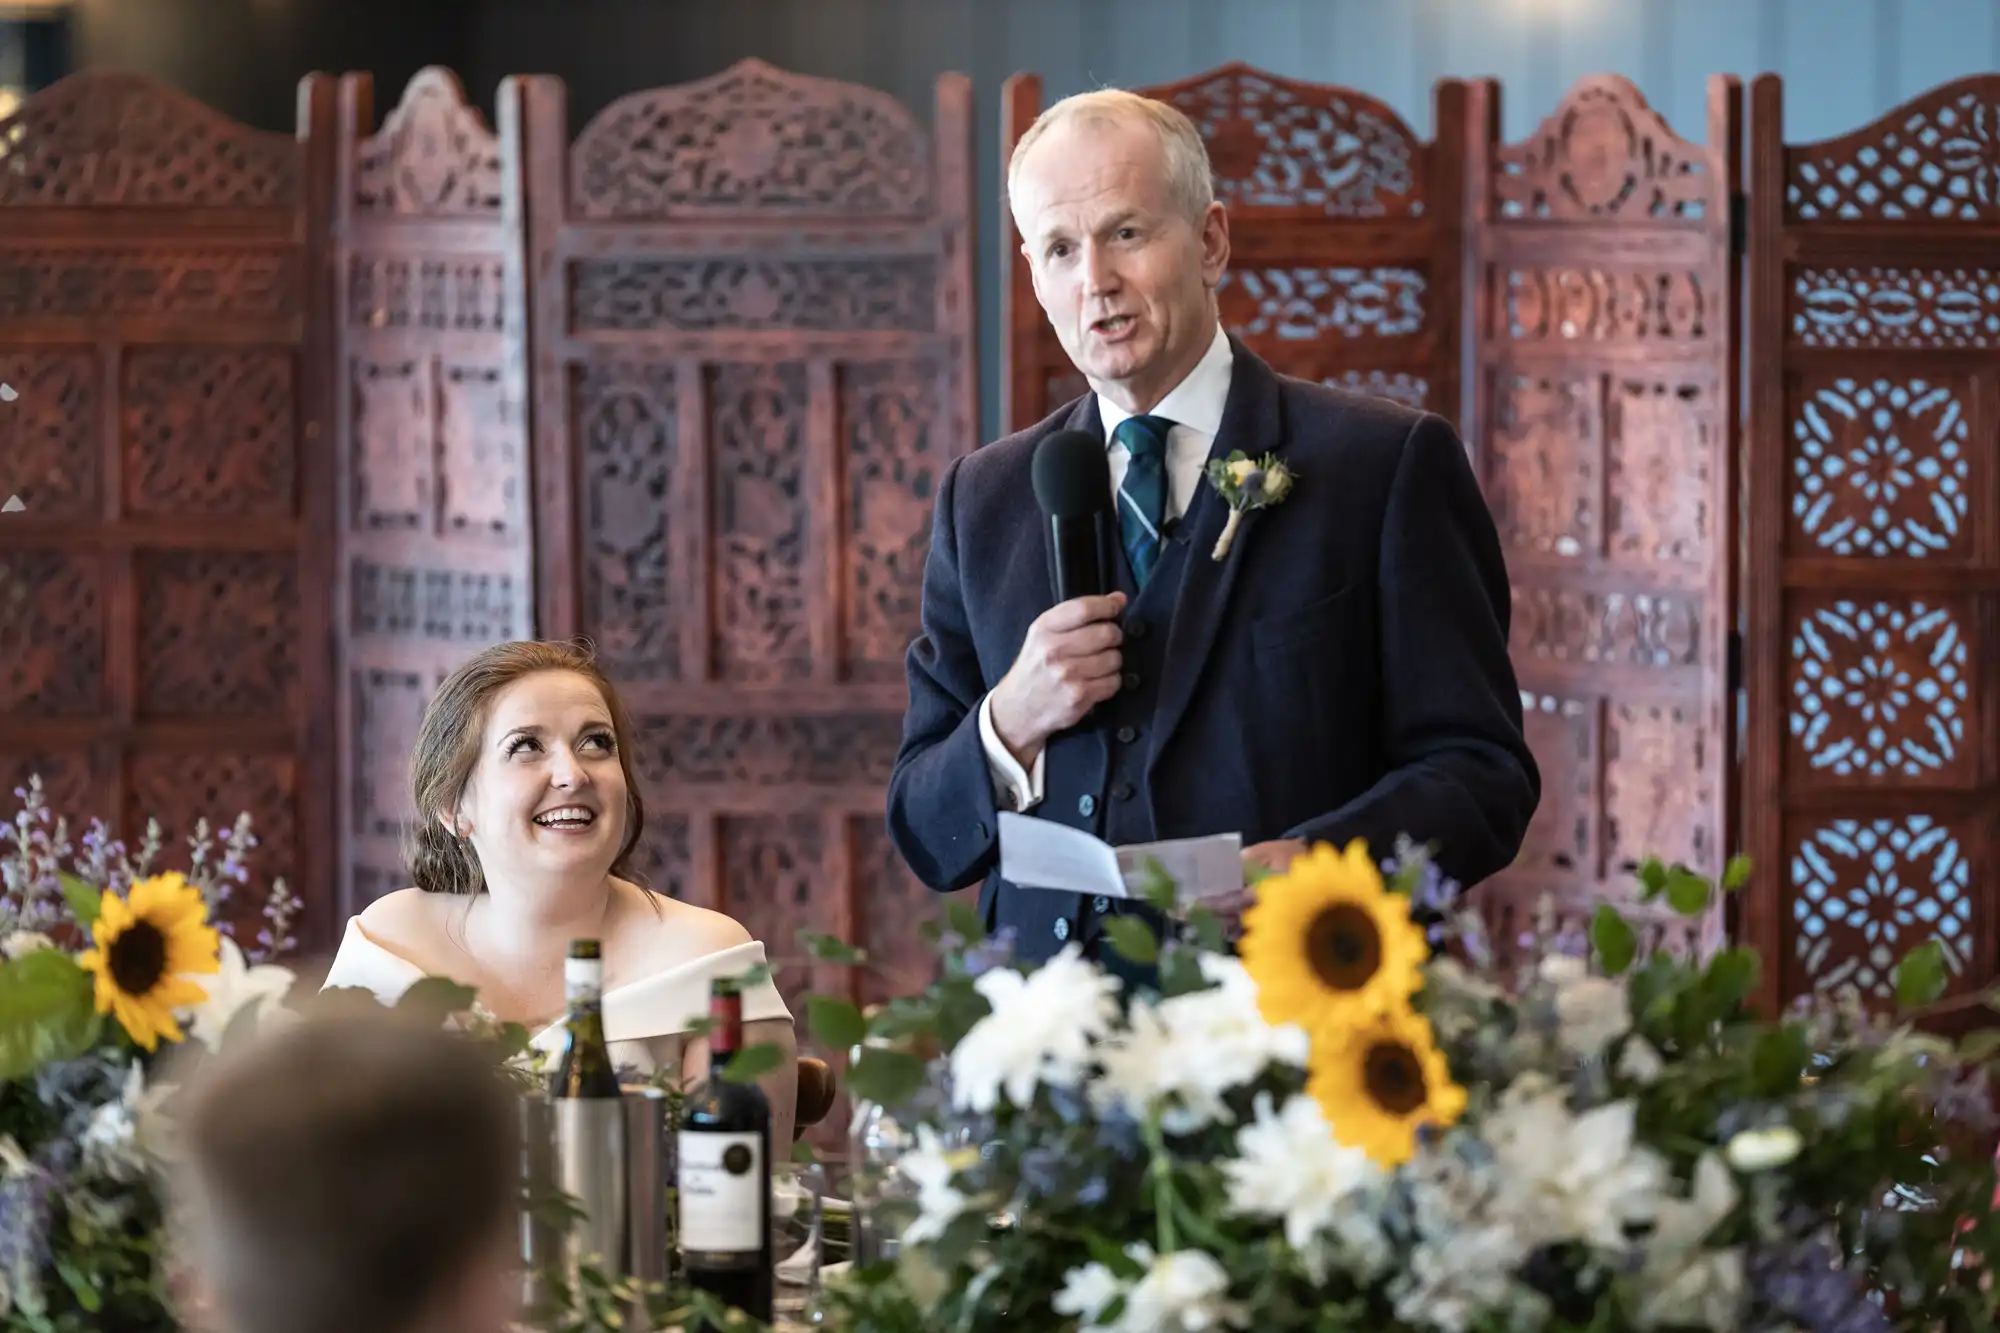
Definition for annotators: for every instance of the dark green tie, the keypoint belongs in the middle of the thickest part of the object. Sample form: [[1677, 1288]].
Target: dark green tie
[[1142, 496]]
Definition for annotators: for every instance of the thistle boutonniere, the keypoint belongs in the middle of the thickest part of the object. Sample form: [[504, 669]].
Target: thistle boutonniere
[[1246, 484]]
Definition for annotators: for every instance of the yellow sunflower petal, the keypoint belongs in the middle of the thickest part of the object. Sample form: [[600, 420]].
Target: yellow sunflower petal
[[113, 916], [167, 900], [196, 949], [1384, 1083], [1329, 945]]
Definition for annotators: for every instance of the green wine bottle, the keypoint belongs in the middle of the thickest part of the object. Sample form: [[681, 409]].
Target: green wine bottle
[[588, 1114]]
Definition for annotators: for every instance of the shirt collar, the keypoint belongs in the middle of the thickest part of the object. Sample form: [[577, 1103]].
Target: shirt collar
[[1196, 402]]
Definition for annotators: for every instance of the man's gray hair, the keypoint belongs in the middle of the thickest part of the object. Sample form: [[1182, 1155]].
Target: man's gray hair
[[1190, 179]]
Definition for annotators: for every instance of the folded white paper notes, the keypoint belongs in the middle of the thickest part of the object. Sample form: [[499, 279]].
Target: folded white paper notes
[[1042, 854]]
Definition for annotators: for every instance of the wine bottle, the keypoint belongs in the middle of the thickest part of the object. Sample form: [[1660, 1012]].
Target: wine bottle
[[724, 1173], [588, 1120]]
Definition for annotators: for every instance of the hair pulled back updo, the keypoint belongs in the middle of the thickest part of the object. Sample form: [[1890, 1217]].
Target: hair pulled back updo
[[447, 752]]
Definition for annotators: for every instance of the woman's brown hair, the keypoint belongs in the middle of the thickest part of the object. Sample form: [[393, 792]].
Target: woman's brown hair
[[447, 750]]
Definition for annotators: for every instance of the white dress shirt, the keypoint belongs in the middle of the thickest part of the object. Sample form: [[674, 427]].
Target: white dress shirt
[[1195, 407]]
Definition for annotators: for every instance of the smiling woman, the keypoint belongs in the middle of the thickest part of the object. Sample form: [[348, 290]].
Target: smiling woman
[[529, 813]]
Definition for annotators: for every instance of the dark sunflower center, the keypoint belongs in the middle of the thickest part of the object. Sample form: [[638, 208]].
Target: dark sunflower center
[[1394, 1079], [138, 958], [1344, 947]]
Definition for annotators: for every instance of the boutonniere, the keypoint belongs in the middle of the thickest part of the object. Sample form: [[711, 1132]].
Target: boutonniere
[[1246, 484]]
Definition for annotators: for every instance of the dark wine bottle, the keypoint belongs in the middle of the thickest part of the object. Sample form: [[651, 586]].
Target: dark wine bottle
[[588, 1119], [724, 1174]]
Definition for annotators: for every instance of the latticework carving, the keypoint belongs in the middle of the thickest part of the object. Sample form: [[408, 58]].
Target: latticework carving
[[1309, 174], [759, 320], [167, 579], [1935, 158], [1871, 754], [752, 140], [119, 140], [1604, 432], [432, 440]]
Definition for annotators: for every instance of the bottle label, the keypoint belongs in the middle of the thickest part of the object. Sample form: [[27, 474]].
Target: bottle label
[[721, 1189], [583, 980]]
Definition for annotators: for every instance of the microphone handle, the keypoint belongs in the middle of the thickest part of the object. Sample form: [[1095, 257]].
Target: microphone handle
[[1080, 565]]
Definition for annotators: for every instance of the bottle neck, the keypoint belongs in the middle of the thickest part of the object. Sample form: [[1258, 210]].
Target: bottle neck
[[583, 985], [725, 1033]]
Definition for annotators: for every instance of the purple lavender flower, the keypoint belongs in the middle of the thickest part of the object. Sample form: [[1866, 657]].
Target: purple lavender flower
[[997, 950]]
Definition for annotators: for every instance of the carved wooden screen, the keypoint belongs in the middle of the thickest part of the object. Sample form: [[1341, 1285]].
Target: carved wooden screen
[[753, 355], [165, 584], [1345, 232], [1604, 406], [436, 559], [1873, 774]]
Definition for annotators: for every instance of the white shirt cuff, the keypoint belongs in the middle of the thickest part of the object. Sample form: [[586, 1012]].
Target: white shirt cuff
[[1013, 788]]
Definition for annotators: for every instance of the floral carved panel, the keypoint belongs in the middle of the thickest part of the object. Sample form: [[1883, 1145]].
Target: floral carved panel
[[706, 295], [1604, 154], [52, 634], [1543, 480], [753, 139], [1882, 466], [772, 870], [210, 431], [1882, 306], [482, 461], [627, 437], [1662, 440], [1865, 890], [1880, 691], [895, 452], [1279, 145], [392, 458], [388, 707], [112, 282], [1657, 796], [218, 633], [1563, 735], [51, 450], [182, 788], [432, 157], [1305, 304], [1669, 308], [758, 460], [770, 750]]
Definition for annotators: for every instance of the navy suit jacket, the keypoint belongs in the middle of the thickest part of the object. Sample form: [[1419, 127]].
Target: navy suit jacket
[[1342, 673]]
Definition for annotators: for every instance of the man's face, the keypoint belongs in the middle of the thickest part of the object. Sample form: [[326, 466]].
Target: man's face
[[1123, 274]]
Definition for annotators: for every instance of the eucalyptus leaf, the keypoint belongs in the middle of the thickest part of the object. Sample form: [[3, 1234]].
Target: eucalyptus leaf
[[1687, 892], [1131, 938], [753, 1062], [47, 1012], [1612, 936], [836, 1023], [85, 899], [1652, 878], [1921, 977], [830, 948], [1156, 886], [437, 995], [885, 1077], [751, 978], [1736, 874]]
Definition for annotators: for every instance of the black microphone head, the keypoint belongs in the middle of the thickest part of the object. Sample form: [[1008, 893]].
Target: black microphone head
[[1072, 475]]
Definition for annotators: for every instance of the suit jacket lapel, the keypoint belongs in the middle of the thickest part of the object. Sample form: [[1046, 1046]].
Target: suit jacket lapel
[[1253, 421]]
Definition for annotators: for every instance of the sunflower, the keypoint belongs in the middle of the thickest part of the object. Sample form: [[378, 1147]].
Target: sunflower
[[1328, 945], [1381, 1084], [146, 943]]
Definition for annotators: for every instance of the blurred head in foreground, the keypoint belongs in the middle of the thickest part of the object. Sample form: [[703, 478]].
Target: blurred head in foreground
[[351, 1172]]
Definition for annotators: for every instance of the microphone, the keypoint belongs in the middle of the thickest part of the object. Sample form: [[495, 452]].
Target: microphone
[[1073, 488]]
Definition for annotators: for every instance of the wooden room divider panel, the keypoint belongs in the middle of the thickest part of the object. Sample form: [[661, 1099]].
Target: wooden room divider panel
[[753, 356], [1345, 231], [1604, 407], [1873, 765], [160, 283], [431, 434]]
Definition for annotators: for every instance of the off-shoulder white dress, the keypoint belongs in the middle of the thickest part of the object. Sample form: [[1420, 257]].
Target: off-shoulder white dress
[[644, 1020]]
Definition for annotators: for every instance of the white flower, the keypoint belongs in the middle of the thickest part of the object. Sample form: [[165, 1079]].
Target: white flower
[[1289, 1165], [1187, 1051], [1572, 1178], [1763, 1149], [1591, 1013], [1182, 1292], [1040, 1031], [1640, 1062], [1086, 1291], [24, 942], [1683, 1284], [235, 986], [930, 1168]]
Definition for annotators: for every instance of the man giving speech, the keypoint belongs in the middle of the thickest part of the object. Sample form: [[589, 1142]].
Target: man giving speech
[[1336, 669]]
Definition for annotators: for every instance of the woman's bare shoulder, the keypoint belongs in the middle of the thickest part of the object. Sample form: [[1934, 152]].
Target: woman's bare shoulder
[[409, 922], [681, 932]]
